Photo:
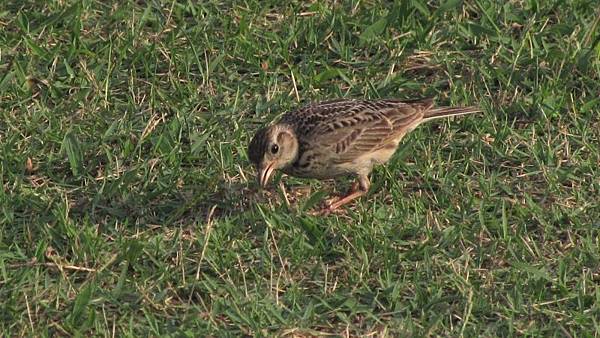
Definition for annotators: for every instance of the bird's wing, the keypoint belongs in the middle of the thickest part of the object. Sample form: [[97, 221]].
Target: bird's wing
[[366, 127]]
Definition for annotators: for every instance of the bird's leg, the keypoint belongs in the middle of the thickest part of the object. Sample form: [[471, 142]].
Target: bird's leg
[[358, 189], [334, 197]]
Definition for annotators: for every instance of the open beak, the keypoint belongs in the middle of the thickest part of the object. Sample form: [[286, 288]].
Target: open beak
[[264, 174]]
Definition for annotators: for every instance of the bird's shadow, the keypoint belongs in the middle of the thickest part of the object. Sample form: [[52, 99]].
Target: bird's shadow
[[193, 204], [175, 207]]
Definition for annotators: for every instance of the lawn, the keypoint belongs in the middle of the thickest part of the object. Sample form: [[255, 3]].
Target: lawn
[[128, 205]]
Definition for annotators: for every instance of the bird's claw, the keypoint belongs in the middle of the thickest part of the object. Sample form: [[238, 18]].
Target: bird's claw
[[327, 208]]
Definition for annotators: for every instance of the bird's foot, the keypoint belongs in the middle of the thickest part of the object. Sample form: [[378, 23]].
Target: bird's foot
[[354, 188], [326, 210], [333, 205]]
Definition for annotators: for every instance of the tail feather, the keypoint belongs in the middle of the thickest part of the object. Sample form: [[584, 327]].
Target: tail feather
[[439, 112]]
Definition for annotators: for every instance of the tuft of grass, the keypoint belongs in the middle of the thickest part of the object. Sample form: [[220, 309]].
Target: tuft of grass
[[128, 206]]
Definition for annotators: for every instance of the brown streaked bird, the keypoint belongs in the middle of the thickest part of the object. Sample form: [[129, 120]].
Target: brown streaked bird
[[341, 137]]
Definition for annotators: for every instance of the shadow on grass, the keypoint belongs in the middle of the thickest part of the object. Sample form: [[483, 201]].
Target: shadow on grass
[[168, 208]]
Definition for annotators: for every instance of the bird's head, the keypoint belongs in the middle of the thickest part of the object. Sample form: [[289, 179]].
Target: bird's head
[[272, 147]]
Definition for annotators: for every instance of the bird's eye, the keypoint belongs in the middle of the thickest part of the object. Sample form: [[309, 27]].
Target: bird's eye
[[274, 149]]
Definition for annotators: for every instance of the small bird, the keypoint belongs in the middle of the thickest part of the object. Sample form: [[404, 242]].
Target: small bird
[[341, 137]]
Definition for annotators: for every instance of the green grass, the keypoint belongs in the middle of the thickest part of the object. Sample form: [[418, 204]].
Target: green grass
[[128, 204]]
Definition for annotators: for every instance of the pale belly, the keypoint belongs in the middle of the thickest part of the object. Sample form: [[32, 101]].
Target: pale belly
[[329, 168]]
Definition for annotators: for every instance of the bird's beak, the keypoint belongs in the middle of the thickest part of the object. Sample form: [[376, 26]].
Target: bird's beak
[[264, 173]]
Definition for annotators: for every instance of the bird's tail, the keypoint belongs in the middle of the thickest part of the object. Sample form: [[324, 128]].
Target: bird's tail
[[436, 113]]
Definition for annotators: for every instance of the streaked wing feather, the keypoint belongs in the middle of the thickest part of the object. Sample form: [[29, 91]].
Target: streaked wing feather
[[375, 131]]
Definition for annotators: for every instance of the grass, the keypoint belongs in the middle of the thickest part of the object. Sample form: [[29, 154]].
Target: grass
[[128, 205]]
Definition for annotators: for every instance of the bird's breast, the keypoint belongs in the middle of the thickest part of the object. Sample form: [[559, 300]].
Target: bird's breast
[[315, 164]]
